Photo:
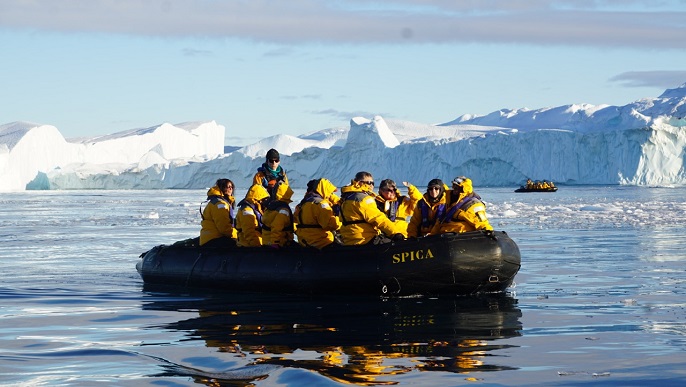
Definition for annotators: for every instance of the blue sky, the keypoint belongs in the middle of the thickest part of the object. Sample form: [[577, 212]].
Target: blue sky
[[263, 67]]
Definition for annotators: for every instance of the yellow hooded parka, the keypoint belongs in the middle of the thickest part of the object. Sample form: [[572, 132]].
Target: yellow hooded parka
[[315, 218], [249, 217]]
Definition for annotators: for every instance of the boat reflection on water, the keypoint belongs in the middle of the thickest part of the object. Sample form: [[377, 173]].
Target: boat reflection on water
[[350, 340]]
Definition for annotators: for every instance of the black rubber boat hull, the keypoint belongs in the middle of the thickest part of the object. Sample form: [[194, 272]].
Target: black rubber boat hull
[[459, 264], [522, 189]]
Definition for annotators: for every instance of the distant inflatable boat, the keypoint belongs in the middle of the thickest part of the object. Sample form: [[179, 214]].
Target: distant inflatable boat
[[456, 264], [524, 189]]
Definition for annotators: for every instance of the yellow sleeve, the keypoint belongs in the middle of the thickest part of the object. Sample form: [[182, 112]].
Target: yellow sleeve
[[410, 202], [377, 218], [326, 218], [476, 215], [251, 237]]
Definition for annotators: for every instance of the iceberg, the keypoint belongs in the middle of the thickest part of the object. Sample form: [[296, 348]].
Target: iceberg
[[641, 143], [31, 154]]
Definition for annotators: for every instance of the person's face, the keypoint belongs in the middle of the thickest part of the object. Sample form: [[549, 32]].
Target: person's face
[[273, 163], [433, 191], [228, 191], [367, 182], [387, 193]]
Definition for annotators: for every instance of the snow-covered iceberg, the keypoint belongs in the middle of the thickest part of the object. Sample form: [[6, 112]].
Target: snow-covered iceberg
[[31, 153], [641, 143]]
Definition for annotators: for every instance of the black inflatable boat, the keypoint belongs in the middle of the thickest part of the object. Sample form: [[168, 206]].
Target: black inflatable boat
[[524, 189], [458, 264]]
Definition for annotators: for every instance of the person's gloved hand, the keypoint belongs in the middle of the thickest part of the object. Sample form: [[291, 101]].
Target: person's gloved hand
[[397, 237]]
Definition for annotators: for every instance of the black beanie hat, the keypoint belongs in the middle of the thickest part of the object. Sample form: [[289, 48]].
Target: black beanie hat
[[272, 154], [434, 182], [312, 185]]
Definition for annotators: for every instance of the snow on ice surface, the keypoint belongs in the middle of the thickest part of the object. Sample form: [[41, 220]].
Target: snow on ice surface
[[641, 143], [584, 209]]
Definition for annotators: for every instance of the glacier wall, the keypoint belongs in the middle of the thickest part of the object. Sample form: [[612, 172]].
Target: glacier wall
[[644, 156], [641, 143]]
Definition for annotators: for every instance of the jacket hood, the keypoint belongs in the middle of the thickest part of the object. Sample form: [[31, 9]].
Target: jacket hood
[[353, 188], [467, 186], [465, 183], [325, 188], [256, 193], [283, 193], [334, 199], [214, 191]]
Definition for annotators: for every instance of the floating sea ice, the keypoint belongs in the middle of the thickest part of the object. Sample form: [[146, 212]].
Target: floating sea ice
[[560, 209], [151, 215], [629, 301], [614, 209], [567, 373], [593, 208], [509, 214], [594, 374]]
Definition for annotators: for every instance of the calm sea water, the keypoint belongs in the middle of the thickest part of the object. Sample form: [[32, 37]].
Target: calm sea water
[[600, 300]]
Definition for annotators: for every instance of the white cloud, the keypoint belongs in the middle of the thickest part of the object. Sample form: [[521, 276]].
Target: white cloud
[[630, 24], [665, 79]]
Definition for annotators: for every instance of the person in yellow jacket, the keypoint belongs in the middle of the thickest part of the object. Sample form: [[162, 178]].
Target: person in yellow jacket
[[362, 220], [216, 227], [315, 217], [466, 211], [270, 172], [429, 210], [277, 221], [249, 216], [397, 207]]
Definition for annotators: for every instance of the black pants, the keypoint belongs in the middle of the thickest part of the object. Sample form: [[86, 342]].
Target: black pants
[[220, 242]]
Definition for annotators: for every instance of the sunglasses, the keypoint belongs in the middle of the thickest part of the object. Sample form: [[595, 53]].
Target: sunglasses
[[370, 183], [433, 189], [274, 160]]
